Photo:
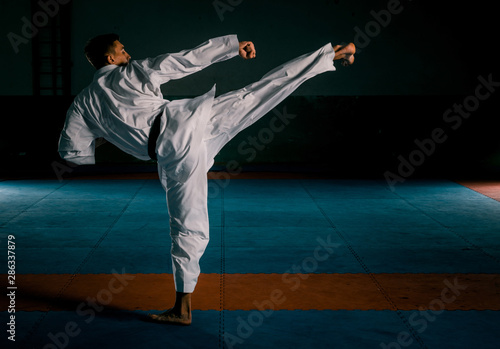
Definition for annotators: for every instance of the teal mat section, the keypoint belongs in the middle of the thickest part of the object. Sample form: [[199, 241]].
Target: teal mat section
[[422, 226], [257, 226]]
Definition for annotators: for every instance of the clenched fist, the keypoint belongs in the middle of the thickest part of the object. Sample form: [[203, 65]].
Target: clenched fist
[[247, 50]]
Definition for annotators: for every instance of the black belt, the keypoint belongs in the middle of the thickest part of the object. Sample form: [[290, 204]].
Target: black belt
[[153, 137]]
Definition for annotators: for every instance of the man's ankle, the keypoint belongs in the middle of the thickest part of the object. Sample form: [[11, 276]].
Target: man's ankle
[[182, 303]]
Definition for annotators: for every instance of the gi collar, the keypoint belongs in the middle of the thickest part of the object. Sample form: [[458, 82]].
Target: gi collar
[[104, 70]]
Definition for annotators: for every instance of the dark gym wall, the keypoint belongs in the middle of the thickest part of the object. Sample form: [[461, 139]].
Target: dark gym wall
[[406, 47], [416, 59]]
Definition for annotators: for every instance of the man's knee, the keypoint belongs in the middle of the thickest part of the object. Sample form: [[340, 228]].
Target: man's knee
[[181, 232]]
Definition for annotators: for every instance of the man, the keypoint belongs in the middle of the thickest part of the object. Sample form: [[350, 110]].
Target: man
[[124, 105]]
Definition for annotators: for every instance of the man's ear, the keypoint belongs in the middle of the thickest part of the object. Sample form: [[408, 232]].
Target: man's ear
[[110, 59]]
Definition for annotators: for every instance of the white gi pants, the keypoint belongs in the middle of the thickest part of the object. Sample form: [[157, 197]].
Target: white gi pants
[[231, 113]]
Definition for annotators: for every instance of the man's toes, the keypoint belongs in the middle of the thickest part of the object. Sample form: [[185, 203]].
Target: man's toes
[[169, 318], [351, 48]]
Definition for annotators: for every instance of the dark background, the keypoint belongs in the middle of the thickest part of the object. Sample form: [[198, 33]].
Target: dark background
[[357, 122]]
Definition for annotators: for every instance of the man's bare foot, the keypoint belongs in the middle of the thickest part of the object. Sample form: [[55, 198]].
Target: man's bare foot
[[171, 317], [180, 314], [345, 53]]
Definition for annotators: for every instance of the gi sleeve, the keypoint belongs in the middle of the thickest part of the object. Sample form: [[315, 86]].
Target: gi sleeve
[[76, 142], [172, 66]]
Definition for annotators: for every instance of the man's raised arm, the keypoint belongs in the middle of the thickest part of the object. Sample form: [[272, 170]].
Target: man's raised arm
[[173, 66]]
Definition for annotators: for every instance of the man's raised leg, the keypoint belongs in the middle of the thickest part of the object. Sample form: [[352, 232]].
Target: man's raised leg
[[236, 110]]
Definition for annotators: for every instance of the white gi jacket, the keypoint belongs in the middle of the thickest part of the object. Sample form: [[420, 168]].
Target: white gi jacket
[[121, 104]]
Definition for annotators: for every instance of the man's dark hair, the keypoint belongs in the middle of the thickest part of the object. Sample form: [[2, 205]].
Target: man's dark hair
[[97, 47]]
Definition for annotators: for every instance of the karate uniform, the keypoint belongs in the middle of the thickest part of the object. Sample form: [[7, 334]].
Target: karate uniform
[[121, 104]]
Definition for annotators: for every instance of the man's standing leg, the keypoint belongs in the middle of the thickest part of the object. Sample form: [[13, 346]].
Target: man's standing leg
[[189, 230]]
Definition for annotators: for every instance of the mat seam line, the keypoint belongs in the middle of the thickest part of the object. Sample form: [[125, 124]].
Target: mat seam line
[[33, 204], [222, 274], [370, 274]]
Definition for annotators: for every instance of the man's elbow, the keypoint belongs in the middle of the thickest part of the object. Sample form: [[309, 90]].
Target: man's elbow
[[75, 159]]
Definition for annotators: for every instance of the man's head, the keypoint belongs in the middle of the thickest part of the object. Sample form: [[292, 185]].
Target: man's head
[[106, 49]]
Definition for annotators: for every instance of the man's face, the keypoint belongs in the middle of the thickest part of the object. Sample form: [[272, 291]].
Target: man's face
[[118, 55]]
